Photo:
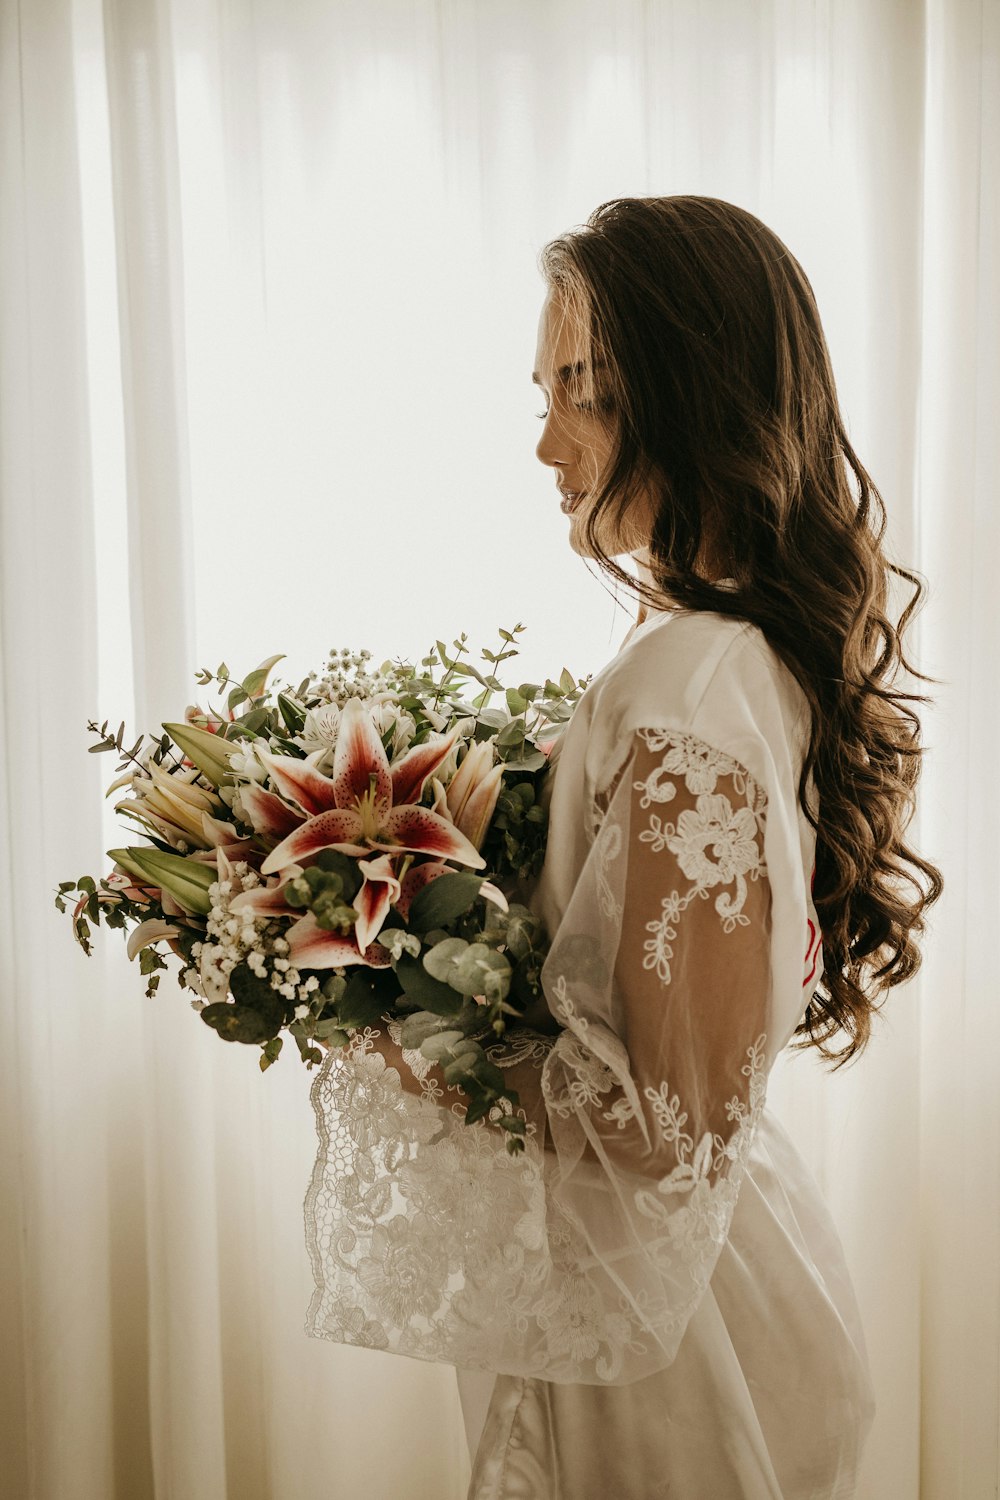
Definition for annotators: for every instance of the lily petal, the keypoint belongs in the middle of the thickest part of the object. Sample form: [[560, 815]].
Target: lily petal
[[495, 894], [179, 812], [478, 760], [244, 849], [340, 829], [150, 822], [268, 815], [265, 901], [177, 785], [379, 891], [311, 946], [360, 755], [424, 832], [411, 771], [415, 879], [440, 803], [148, 932], [294, 778], [216, 832], [474, 819]]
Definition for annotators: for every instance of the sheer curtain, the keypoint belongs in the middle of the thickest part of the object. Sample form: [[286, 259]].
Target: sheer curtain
[[268, 298]]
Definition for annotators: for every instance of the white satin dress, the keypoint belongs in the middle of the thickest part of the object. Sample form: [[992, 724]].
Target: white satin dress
[[651, 1301]]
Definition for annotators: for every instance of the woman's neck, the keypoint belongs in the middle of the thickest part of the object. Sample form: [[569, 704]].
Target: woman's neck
[[646, 577]]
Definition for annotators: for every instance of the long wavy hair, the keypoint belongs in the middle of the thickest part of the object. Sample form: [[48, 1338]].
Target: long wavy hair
[[718, 393]]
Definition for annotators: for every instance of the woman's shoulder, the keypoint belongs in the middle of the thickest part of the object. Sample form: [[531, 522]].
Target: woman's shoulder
[[704, 674]]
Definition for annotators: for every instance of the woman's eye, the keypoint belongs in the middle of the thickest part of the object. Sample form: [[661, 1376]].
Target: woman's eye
[[580, 405]]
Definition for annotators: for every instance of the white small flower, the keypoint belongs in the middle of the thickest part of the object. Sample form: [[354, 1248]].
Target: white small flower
[[301, 1011], [246, 764], [397, 941]]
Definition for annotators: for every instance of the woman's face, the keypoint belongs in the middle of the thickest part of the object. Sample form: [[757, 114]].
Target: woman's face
[[578, 437]]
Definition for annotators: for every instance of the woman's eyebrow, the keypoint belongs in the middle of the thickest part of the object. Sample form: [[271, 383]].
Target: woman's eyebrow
[[565, 371]]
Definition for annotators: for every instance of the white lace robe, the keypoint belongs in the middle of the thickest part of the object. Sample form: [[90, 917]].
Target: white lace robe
[[654, 1288]]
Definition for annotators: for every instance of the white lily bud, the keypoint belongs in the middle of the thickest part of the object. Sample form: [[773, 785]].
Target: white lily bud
[[477, 764], [440, 803], [480, 806]]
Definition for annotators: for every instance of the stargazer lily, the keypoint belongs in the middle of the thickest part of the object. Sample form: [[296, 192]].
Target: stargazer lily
[[366, 804], [367, 807]]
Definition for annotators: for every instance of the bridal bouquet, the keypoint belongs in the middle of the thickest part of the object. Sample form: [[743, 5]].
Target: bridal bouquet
[[321, 857]]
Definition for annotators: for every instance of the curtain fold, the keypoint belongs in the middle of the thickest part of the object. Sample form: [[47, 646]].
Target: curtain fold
[[959, 1135], [268, 297]]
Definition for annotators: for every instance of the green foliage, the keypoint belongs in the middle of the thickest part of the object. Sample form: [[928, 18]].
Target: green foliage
[[470, 950], [425, 989], [255, 1014], [443, 900], [368, 994], [272, 1048]]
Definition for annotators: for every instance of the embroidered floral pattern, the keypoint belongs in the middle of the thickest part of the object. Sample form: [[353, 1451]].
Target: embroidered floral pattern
[[427, 1238]]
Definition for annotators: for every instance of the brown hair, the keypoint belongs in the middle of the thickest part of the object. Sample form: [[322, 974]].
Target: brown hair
[[718, 389]]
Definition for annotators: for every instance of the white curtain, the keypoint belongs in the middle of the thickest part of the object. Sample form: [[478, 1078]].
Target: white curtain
[[268, 302]]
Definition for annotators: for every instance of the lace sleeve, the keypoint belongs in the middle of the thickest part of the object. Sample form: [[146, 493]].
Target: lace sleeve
[[583, 1259]]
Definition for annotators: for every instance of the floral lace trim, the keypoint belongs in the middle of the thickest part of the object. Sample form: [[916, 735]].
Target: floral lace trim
[[427, 1238], [731, 833]]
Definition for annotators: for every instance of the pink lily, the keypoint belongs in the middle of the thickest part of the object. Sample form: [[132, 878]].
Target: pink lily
[[315, 947], [269, 816], [311, 946], [367, 805]]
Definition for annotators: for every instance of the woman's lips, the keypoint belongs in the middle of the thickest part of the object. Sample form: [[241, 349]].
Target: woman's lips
[[570, 501]]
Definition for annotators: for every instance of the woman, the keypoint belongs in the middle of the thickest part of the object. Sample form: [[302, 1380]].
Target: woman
[[653, 1299]]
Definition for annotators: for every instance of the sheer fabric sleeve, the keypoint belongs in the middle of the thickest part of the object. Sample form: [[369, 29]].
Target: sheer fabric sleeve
[[583, 1259]]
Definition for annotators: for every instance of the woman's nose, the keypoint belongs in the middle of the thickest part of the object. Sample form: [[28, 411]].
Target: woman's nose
[[551, 447]]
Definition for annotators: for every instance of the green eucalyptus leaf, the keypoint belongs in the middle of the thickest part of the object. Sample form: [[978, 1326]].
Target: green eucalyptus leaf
[[241, 1023], [329, 1031], [425, 989], [481, 970], [367, 994], [488, 1074], [251, 990], [422, 1024], [493, 718], [439, 1044], [442, 900], [440, 960], [478, 1108]]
